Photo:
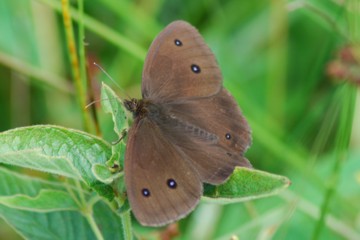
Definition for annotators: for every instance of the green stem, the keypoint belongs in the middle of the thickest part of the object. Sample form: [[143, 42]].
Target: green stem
[[75, 70], [81, 39], [93, 225], [93, 201], [341, 152], [126, 221]]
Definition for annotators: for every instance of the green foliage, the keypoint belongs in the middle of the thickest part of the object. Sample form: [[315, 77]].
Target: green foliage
[[56, 150], [40, 209], [275, 57], [246, 184]]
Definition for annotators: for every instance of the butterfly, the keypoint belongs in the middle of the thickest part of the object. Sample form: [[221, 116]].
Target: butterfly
[[187, 129]]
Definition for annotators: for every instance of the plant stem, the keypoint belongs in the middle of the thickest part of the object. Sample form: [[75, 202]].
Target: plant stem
[[126, 221], [93, 225], [81, 41], [341, 151], [75, 70]]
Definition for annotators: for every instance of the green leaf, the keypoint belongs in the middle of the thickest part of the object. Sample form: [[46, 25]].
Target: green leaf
[[104, 174], [246, 184], [44, 222], [111, 104], [56, 150], [45, 201]]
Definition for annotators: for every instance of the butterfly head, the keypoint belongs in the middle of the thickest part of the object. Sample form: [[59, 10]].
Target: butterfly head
[[136, 107]]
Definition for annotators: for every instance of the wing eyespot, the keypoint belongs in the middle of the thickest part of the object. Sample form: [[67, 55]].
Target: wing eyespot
[[171, 183], [145, 192], [195, 68], [178, 42], [228, 136]]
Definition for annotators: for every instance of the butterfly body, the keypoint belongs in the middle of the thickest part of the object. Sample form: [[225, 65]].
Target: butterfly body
[[187, 130]]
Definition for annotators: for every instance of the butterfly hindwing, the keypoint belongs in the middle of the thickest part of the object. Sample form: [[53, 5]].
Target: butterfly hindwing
[[154, 167], [210, 132]]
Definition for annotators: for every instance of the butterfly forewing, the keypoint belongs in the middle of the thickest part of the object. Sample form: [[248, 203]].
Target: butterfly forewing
[[180, 66]]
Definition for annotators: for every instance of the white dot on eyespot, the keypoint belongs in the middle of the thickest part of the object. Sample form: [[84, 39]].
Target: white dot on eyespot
[[171, 183], [178, 42], [195, 68], [145, 192], [228, 136]]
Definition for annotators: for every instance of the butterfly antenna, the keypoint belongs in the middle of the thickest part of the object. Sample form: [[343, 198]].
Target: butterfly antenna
[[93, 102], [111, 79]]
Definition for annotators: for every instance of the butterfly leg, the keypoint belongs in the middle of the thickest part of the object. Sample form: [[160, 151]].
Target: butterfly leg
[[123, 135]]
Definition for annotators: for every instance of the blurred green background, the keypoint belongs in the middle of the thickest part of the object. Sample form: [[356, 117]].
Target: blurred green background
[[291, 65]]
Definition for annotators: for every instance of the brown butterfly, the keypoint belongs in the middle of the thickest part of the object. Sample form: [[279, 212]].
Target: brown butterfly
[[187, 130]]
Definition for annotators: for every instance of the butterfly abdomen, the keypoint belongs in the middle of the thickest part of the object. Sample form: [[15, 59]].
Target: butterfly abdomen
[[195, 131], [183, 130]]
